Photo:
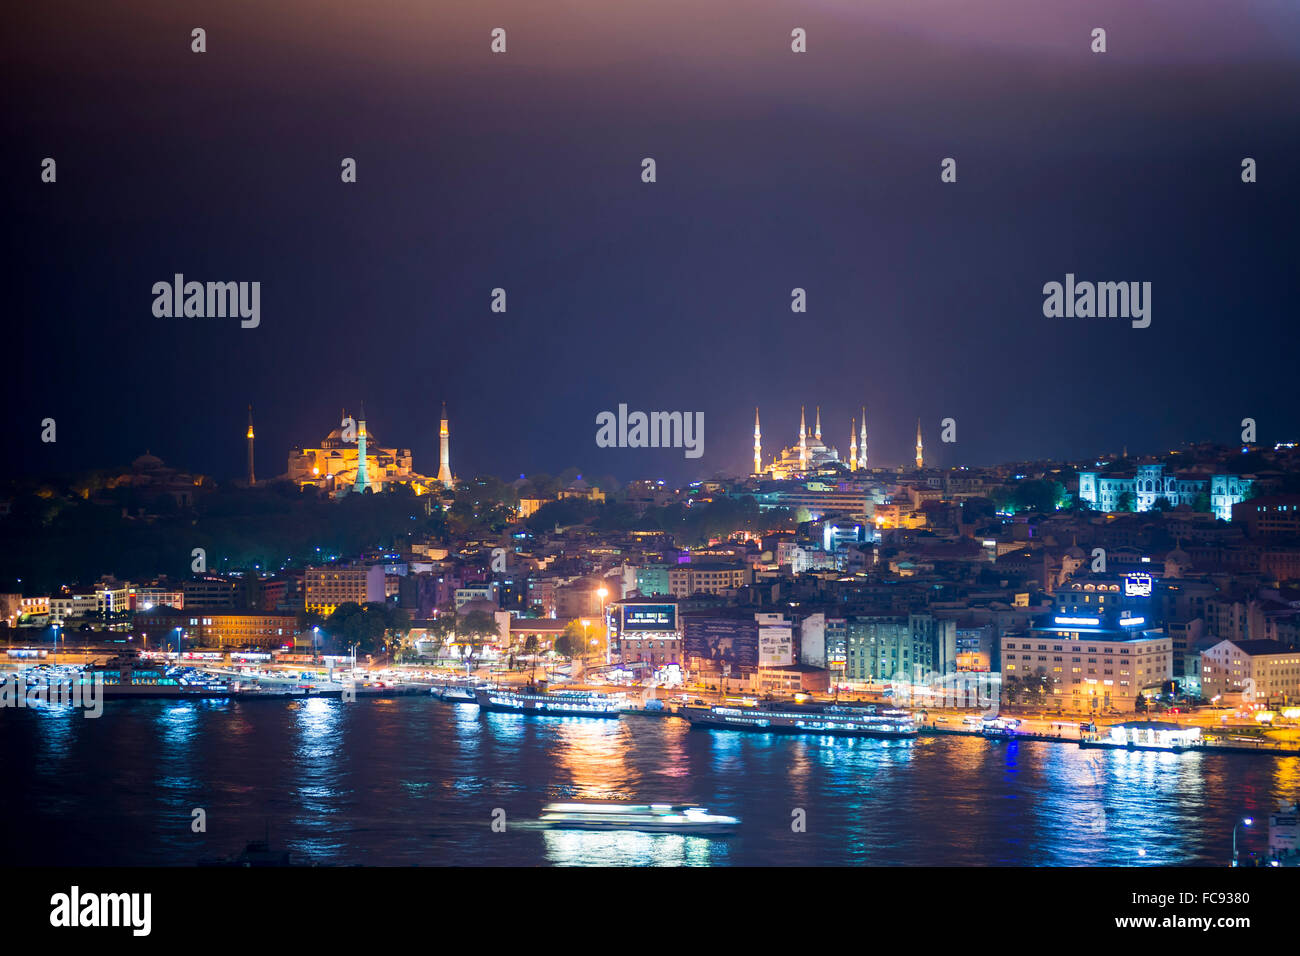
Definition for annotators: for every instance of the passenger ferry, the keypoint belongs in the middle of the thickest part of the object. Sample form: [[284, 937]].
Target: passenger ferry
[[835, 720], [130, 676], [453, 693], [1154, 735], [647, 818], [561, 704]]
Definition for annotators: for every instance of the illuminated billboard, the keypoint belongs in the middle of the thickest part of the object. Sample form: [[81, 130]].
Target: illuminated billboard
[[721, 643], [1137, 585], [649, 617]]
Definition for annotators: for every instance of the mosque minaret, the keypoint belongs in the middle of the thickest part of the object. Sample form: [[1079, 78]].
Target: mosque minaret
[[444, 456], [361, 483], [758, 445], [251, 479], [862, 445], [803, 440]]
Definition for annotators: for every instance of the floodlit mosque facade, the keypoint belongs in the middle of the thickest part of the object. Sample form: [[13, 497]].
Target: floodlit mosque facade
[[350, 460], [1152, 482], [810, 454]]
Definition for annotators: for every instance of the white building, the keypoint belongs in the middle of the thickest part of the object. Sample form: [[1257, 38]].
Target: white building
[[1078, 673], [1251, 672], [1153, 482]]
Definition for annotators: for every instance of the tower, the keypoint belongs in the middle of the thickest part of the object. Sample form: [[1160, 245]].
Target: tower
[[862, 445], [444, 456], [251, 480], [853, 445], [803, 441], [758, 445], [817, 432], [920, 459], [361, 482]]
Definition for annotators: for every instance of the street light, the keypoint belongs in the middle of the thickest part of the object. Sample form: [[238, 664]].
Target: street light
[[1244, 821], [604, 593]]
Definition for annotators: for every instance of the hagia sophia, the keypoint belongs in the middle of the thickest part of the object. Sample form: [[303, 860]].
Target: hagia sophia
[[350, 460]]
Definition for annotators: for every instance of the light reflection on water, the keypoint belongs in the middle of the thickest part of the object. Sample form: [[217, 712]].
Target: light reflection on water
[[587, 848], [416, 782]]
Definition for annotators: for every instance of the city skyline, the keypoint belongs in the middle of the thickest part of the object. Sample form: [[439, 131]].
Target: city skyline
[[259, 457], [711, 433]]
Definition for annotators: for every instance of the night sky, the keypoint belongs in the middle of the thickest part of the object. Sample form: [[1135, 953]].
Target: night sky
[[522, 171]]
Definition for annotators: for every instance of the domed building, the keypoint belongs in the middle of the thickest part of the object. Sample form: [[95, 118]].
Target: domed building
[[806, 457], [150, 475], [351, 459]]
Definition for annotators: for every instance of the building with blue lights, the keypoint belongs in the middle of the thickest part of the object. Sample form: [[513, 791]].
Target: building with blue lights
[[1217, 493], [1099, 647]]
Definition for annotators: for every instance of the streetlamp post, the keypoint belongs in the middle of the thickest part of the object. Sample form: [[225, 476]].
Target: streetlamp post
[[604, 593], [1244, 821]]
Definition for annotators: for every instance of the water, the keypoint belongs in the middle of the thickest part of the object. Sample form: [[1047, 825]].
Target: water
[[412, 781]]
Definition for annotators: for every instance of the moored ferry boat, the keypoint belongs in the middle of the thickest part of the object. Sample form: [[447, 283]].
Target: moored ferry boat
[[795, 719], [647, 818], [130, 676], [453, 693], [559, 704], [1155, 735]]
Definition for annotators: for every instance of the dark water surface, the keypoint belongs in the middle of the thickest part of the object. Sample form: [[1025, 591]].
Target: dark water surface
[[412, 781]]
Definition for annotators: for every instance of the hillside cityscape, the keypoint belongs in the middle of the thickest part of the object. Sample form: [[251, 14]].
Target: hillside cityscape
[[817, 571]]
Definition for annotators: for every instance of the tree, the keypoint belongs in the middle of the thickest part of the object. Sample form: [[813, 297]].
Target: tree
[[354, 623], [372, 627], [1126, 502], [1012, 689], [573, 642], [477, 627]]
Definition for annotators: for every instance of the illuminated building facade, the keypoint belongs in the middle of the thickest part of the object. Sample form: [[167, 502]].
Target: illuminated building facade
[[1152, 482], [807, 456], [1073, 667], [351, 457], [1265, 672], [325, 588], [687, 579], [645, 631], [218, 629]]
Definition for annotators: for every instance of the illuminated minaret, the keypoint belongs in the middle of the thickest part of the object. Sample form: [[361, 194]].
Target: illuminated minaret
[[758, 446], [853, 445], [251, 479], [444, 458], [803, 440], [817, 432], [920, 459], [862, 445], [361, 482]]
